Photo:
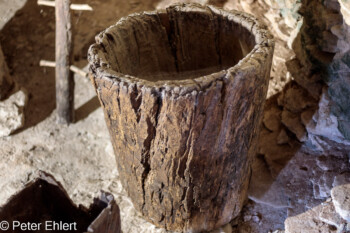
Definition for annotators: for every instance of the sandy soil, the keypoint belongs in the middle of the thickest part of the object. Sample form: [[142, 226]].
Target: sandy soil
[[80, 156]]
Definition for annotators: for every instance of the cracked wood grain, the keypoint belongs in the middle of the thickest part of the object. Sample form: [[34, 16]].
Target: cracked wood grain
[[183, 91]]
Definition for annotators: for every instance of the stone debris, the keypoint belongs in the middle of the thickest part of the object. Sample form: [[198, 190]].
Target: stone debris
[[293, 122], [295, 98], [224, 229], [247, 218], [308, 222], [12, 113], [341, 200], [256, 218], [323, 123], [329, 215], [322, 184], [282, 137], [272, 120], [343, 178], [322, 218]]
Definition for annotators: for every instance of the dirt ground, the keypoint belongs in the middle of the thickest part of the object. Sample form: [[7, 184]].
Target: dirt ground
[[80, 156]]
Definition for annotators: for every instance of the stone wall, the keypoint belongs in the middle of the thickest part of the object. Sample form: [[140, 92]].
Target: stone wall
[[312, 48]]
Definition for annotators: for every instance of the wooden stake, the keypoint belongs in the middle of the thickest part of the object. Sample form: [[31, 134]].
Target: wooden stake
[[78, 7], [72, 67], [64, 77]]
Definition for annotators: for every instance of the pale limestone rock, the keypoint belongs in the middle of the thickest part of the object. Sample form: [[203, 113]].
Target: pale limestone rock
[[6, 13], [322, 185], [330, 216], [345, 10], [11, 113], [324, 123], [341, 200], [308, 222]]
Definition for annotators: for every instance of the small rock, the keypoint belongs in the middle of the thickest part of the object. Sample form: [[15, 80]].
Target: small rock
[[322, 185], [256, 218], [341, 179], [330, 216], [272, 120], [324, 123], [247, 218], [282, 137], [224, 229], [328, 43], [293, 123], [333, 19], [296, 98], [331, 163], [338, 31], [11, 113], [332, 5], [341, 200], [344, 6], [308, 222], [306, 116]]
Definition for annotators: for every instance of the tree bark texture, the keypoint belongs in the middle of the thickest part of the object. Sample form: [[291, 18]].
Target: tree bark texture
[[64, 77], [6, 81], [183, 92]]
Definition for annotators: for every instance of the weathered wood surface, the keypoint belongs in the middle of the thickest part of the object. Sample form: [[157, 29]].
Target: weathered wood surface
[[64, 77], [44, 199], [6, 81], [184, 140]]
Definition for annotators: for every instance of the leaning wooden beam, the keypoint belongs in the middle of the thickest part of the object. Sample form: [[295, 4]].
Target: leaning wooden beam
[[78, 7], [64, 77], [72, 67]]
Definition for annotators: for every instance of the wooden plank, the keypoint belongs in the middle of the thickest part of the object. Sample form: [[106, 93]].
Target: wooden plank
[[64, 77]]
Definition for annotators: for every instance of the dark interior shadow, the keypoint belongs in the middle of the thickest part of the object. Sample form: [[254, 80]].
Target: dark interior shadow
[[26, 39], [84, 111]]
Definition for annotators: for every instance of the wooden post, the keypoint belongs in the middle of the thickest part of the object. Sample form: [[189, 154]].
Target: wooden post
[[64, 77]]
